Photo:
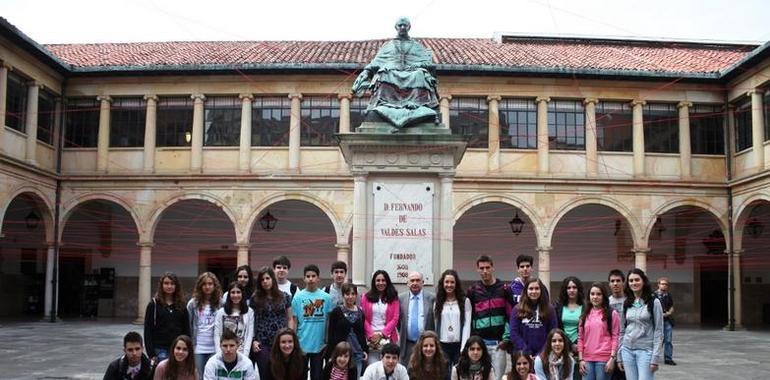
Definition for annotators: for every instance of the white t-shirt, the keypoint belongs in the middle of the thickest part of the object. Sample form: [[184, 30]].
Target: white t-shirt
[[286, 288], [204, 335], [378, 315]]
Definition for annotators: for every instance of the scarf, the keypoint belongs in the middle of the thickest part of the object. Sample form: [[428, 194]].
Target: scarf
[[554, 365], [475, 371]]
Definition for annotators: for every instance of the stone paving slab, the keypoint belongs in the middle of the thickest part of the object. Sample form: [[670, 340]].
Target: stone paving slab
[[83, 349]]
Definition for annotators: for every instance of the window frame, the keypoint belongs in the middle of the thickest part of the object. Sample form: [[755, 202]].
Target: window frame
[[16, 105], [622, 138], [127, 121], [516, 108], [46, 118], [321, 111], [174, 119], [559, 112], [661, 120], [710, 122], [277, 128], [480, 128], [230, 106], [84, 110], [742, 125]]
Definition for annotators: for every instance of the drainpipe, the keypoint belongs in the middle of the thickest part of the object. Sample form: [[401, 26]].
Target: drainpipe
[[730, 247], [57, 206]]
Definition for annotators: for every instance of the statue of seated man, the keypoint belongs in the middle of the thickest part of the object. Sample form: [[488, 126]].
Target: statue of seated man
[[401, 81]]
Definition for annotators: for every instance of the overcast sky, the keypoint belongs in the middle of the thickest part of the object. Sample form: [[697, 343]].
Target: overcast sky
[[77, 21]]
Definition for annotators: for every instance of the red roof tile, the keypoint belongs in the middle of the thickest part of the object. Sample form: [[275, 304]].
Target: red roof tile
[[520, 52]]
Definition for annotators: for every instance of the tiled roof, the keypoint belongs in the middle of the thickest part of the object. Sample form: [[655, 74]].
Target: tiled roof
[[547, 54]]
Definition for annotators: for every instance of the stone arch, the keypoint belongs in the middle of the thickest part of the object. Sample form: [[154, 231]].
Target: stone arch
[[74, 203], [682, 203], [339, 229], [157, 213], [742, 213], [41, 200], [506, 199], [621, 209]]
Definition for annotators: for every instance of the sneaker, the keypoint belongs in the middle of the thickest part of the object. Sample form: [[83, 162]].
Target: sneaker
[[670, 362]]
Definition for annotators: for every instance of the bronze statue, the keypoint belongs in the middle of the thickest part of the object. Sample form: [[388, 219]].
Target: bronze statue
[[401, 81]]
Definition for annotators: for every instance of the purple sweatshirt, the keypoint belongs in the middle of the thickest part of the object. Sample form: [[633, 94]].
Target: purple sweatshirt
[[529, 334]]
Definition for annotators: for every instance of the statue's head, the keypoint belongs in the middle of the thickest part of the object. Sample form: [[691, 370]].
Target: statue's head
[[402, 27]]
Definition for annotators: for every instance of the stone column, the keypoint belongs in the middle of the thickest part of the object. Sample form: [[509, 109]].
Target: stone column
[[443, 105], [544, 266], [3, 98], [737, 276], [150, 127], [295, 125], [343, 253], [196, 152], [145, 279], [493, 153], [638, 137], [446, 238], [49, 279], [103, 137], [344, 112], [685, 154], [640, 258], [359, 229], [592, 153], [33, 91], [244, 151], [243, 254], [542, 135], [757, 128]]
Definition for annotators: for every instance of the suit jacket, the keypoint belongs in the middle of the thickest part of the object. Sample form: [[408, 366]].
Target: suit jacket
[[428, 298]]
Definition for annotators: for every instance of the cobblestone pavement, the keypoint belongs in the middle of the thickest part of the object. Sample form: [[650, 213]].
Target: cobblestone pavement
[[82, 350]]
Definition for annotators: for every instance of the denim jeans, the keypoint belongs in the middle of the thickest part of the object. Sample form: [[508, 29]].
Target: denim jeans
[[161, 354], [668, 343], [452, 354], [316, 365], [200, 363], [637, 364], [262, 359], [499, 360], [595, 371]]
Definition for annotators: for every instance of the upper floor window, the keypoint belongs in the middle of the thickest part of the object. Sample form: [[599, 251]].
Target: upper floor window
[[518, 123], [46, 116], [174, 123], [222, 121], [566, 125], [661, 128], [470, 117], [320, 120], [357, 111], [742, 119], [614, 129], [82, 123], [707, 132], [270, 117], [127, 119], [16, 102]]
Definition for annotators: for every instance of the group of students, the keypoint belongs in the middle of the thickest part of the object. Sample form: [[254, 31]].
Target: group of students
[[265, 327]]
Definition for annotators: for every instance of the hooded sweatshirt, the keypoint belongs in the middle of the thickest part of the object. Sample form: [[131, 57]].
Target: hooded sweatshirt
[[216, 369]]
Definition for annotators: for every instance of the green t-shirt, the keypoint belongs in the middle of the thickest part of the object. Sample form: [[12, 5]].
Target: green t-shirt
[[570, 319]]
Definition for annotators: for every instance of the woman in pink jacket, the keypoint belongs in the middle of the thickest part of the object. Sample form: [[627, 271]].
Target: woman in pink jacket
[[381, 311], [598, 332]]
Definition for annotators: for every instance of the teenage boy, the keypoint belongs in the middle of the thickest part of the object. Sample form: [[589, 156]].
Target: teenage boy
[[491, 303], [229, 364], [311, 307], [339, 274], [667, 302], [281, 266], [133, 365], [524, 269], [388, 368], [617, 281]]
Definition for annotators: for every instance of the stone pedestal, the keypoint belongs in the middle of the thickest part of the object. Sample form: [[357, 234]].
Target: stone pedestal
[[402, 219]]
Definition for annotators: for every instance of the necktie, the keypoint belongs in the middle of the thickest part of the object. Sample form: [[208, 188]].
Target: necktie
[[414, 311]]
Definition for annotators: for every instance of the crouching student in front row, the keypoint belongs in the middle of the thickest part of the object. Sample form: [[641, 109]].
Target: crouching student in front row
[[388, 368], [133, 365], [229, 363]]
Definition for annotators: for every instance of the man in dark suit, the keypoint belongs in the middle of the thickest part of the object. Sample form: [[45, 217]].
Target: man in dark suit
[[416, 314]]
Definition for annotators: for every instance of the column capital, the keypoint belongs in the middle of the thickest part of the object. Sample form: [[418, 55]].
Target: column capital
[[542, 99], [442, 96], [638, 102], [241, 245], [342, 246], [358, 176], [543, 249], [6, 65], [197, 97], [641, 250], [757, 91], [151, 98], [496, 98], [104, 98], [295, 95], [587, 101], [145, 244], [344, 95], [246, 97], [34, 83], [446, 176], [684, 104]]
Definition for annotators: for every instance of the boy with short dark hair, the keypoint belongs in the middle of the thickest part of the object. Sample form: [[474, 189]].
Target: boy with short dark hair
[[388, 367], [281, 266], [524, 269], [229, 364], [134, 364], [339, 275], [617, 282], [311, 307]]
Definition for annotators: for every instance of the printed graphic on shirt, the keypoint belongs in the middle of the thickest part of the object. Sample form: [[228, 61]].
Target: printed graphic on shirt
[[313, 309]]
